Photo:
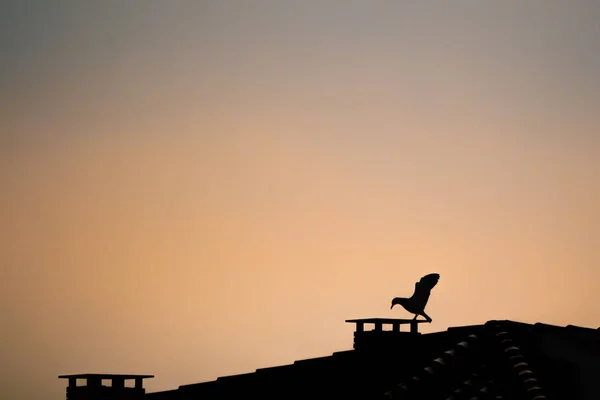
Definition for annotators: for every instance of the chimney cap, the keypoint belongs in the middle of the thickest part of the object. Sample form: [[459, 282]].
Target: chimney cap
[[105, 376]]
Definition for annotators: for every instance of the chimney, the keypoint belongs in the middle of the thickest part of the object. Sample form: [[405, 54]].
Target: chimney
[[95, 390], [381, 338]]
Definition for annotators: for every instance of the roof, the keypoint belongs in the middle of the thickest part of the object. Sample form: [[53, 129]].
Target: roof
[[506, 359], [497, 360]]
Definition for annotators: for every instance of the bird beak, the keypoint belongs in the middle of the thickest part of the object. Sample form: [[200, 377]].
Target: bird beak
[[392, 307]]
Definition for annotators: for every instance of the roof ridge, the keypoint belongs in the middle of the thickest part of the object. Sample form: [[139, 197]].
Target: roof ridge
[[518, 362]]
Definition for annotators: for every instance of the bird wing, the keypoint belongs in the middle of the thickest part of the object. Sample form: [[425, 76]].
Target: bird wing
[[428, 281], [423, 289]]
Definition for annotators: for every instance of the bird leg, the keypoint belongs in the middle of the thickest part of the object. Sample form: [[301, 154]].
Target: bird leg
[[426, 317], [416, 315]]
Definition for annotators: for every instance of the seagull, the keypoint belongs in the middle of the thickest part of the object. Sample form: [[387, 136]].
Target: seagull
[[416, 303]]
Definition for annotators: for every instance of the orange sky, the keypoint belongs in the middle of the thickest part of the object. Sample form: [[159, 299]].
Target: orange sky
[[198, 190]]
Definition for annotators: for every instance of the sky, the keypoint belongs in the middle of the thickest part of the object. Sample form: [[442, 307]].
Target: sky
[[194, 189]]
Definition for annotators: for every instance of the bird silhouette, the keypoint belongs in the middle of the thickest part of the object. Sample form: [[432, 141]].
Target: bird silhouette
[[416, 303]]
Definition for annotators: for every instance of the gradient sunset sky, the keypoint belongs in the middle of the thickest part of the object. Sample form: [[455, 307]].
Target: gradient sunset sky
[[194, 189]]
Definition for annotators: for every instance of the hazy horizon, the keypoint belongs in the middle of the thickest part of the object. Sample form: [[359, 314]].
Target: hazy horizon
[[199, 189]]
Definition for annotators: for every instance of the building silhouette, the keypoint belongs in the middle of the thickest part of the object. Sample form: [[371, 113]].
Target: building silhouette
[[496, 360]]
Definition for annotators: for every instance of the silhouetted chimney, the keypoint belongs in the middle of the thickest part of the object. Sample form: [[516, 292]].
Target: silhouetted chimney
[[380, 338], [95, 390]]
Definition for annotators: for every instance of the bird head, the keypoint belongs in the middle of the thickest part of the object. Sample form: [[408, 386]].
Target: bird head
[[398, 300]]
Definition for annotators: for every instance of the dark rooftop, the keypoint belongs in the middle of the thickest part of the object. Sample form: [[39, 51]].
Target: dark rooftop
[[496, 360]]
